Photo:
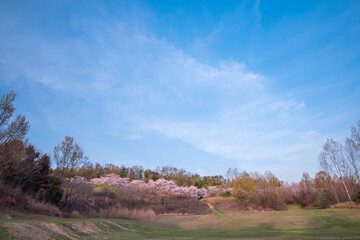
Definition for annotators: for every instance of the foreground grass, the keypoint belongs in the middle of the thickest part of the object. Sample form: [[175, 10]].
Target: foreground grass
[[295, 223]]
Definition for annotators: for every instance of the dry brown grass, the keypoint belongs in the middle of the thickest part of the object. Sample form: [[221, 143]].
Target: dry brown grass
[[13, 199], [177, 206], [120, 212], [215, 200], [42, 208], [143, 215], [75, 214], [224, 204], [346, 205]]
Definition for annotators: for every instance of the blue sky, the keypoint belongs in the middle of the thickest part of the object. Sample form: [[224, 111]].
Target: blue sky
[[199, 85]]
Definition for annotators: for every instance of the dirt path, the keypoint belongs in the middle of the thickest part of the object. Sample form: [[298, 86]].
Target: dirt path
[[212, 208]]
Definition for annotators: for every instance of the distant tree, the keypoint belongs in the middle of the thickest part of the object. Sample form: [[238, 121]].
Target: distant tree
[[231, 175], [324, 182], [352, 149], [183, 179], [99, 170], [112, 168], [342, 162], [151, 175], [69, 157], [306, 193], [26, 168], [132, 174], [124, 171], [245, 190], [332, 160], [273, 181], [137, 172], [15, 129], [198, 182]]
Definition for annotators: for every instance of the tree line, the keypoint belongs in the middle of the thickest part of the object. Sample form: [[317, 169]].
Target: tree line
[[23, 167]]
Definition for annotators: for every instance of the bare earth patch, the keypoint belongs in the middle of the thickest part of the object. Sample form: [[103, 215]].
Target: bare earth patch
[[122, 227], [5, 217], [85, 227], [25, 230], [59, 230], [224, 204]]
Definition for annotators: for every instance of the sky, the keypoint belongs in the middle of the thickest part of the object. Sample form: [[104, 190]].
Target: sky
[[200, 85]]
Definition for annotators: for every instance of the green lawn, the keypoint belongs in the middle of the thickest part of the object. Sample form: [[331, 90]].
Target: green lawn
[[295, 223]]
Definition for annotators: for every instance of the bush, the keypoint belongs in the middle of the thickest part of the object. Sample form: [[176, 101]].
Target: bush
[[322, 200], [12, 198], [15, 199], [225, 194], [245, 190], [272, 199], [356, 198], [53, 193], [75, 214], [23, 167], [109, 191], [246, 199], [77, 195], [42, 208], [279, 205]]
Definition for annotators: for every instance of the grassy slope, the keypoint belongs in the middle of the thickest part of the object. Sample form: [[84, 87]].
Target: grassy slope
[[295, 223]]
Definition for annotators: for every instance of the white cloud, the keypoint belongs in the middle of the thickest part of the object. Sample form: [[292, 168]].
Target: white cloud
[[224, 109], [135, 136], [250, 147]]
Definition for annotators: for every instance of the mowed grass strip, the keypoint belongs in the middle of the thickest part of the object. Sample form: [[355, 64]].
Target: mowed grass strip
[[295, 223]]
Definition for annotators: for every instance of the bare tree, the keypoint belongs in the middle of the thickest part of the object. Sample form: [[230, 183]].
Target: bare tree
[[333, 161], [231, 175], [352, 149], [15, 129], [69, 157]]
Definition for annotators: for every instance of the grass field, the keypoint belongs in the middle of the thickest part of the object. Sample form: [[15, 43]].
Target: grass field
[[295, 223]]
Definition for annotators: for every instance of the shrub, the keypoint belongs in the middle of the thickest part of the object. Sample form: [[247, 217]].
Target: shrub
[[42, 208], [322, 200], [109, 191], [245, 190], [271, 198], [12, 198], [225, 194], [143, 215], [15, 199], [279, 205], [306, 192], [356, 198], [54, 193], [77, 195], [75, 214]]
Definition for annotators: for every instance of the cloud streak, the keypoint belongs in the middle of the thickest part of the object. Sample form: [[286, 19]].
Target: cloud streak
[[224, 109]]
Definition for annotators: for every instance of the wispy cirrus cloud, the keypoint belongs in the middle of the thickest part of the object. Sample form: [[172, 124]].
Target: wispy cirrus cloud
[[224, 109]]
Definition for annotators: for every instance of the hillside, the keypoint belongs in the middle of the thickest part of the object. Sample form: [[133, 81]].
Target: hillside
[[295, 223]]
